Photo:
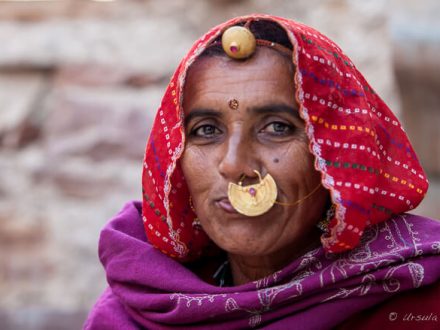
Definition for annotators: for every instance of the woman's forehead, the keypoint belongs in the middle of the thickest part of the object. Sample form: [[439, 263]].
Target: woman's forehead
[[266, 77], [263, 56]]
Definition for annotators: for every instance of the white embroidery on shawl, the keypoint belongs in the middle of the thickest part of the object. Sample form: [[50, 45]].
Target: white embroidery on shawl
[[436, 247], [392, 233], [308, 265], [262, 283], [416, 240], [362, 289], [362, 262], [364, 259], [416, 271], [254, 320], [197, 299], [232, 305]]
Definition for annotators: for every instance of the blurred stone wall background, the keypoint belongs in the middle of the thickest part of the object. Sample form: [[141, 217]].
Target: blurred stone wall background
[[79, 85]]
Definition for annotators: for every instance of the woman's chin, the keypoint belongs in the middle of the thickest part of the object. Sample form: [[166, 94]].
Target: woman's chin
[[246, 251], [248, 245]]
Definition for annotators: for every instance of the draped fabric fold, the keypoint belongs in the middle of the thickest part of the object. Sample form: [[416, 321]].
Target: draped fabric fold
[[150, 290]]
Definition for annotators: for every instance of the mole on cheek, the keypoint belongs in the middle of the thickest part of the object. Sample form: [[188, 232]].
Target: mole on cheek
[[276, 160]]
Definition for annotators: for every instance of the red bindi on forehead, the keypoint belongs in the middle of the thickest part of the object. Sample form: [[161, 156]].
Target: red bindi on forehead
[[233, 104]]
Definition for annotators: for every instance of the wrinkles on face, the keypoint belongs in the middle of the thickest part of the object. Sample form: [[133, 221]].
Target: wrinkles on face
[[265, 134]]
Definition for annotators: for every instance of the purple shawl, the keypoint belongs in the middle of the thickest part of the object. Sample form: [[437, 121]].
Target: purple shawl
[[149, 290]]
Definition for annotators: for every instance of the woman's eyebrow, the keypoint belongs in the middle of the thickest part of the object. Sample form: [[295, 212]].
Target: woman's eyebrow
[[276, 108], [203, 112], [266, 109]]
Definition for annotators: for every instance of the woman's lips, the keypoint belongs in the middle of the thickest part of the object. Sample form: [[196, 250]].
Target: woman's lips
[[224, 204]]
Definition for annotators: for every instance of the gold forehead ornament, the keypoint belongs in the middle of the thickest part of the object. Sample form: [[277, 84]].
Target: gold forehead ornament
[[239, 43]]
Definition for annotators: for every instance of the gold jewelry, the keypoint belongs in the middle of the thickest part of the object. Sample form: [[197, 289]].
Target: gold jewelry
[[302, 199], [324, 223], [238, 42], [196, 222], [280, 48], [255, 199]]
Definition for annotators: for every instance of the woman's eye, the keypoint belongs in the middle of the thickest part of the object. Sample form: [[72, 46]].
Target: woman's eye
[[278, 128], [205, 131]]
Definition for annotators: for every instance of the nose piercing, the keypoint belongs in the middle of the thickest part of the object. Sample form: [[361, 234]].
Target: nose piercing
[[254, 199], [257, 199]]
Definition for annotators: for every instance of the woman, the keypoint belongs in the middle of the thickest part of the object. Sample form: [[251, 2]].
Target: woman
[[266, 132]]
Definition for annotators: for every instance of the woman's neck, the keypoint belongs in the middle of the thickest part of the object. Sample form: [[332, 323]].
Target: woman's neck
[[247, 269]]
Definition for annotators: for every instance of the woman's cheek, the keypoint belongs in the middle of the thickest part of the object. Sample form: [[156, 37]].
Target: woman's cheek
[[194, 163]]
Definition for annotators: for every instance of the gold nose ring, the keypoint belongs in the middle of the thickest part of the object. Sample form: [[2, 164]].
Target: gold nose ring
[[255, 199]]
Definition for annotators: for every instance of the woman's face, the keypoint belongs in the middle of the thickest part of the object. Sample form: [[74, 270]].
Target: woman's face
[[265, 134]]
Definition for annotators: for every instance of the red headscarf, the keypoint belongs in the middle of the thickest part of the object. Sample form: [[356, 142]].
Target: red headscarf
[[364, 156]]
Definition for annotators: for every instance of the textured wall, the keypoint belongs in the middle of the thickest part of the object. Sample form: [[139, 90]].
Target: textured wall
[[79, 84]]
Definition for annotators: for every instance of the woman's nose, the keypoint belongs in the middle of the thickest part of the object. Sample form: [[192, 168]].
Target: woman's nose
[[239, 159]]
